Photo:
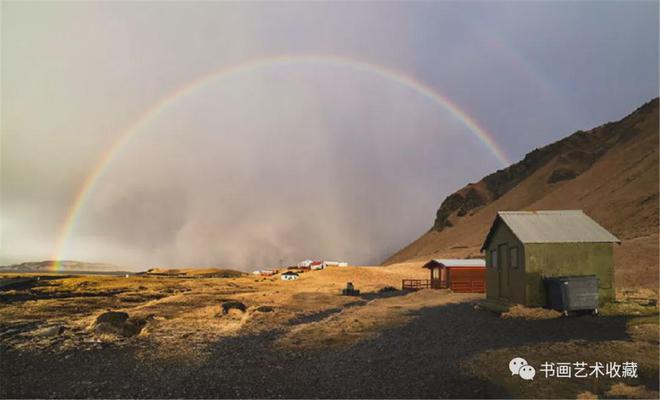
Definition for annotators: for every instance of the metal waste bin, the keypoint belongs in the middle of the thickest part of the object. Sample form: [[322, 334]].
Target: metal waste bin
[[572, 293]]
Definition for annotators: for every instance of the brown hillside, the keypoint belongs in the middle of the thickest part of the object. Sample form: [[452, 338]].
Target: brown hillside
[[196, 272], [610, 172]]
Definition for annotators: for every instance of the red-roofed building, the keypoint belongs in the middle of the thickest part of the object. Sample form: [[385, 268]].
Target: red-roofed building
[[317, 265]]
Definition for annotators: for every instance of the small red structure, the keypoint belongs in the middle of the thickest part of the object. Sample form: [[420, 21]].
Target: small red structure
[[459, 275], [317, 265], [467, 275]]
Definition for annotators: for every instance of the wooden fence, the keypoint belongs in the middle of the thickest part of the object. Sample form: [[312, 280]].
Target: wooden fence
[[417, 284], [463, 286], [473, 286]]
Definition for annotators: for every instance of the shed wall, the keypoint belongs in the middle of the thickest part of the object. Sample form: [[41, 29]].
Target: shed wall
[[502, 235], [561, 259]]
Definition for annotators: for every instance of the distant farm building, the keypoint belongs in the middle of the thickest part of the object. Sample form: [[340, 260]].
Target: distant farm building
[[523, 247], [459, 275], [336, 264], [310, 264], [289, 276], [265, 272], [317, 265]]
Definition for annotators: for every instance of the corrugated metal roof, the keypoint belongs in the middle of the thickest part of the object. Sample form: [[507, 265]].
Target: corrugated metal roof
[[561, 226], [458, 262]]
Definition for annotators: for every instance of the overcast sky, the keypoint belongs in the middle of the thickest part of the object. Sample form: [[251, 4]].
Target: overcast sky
[[291, 160]]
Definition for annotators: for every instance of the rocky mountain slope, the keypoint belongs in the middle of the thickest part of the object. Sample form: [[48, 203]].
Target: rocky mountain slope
[[610, 172]]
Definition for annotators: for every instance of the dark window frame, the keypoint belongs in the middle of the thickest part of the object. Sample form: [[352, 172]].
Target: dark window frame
[[514, 250]]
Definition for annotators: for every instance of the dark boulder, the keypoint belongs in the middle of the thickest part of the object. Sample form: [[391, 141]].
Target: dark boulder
[[117, 323], [112, 317], [233, 305]]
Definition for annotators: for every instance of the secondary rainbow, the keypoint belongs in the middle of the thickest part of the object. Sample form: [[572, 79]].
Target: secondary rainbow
[[227, 72]]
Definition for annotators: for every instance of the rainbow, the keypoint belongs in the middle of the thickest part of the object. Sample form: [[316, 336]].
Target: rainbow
[[186, 89]]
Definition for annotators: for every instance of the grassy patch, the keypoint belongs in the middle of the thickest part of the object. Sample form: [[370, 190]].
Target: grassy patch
[[627, 308], [649, 319]]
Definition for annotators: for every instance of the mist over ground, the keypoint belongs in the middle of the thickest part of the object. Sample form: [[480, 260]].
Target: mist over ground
[[320, 162], [288, 161]]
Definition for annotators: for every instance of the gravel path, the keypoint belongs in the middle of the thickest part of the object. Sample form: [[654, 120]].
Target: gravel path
[[418, 360]]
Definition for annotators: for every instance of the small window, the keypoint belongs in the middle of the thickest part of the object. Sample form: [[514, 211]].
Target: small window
[[493, 258], [513, 257]]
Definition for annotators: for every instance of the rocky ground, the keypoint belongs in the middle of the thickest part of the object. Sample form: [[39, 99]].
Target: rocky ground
[[300, 339]]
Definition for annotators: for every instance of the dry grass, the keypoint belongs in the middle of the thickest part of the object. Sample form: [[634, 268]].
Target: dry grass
[[184, 322], [183, 308], [519, 311], [623, 391]]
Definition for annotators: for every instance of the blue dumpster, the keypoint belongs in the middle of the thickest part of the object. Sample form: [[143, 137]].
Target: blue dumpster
[[572, 293]]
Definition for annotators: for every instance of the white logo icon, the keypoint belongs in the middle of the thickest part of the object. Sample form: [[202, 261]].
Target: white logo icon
[[515, 365], [527, 372], [519, 366]]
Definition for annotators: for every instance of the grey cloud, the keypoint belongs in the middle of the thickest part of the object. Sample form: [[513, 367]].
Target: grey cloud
[[297, 161]]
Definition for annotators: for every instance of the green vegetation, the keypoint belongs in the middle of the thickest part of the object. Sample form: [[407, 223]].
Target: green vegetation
[[649, 319]]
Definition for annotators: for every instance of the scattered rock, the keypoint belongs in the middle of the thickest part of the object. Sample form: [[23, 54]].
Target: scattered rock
[[112, 317], [51, 331], [8, 332], [117, 323], [265, 309], [233, 305]]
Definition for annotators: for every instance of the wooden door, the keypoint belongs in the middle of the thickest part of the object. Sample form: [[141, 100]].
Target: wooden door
[[503, 271]]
